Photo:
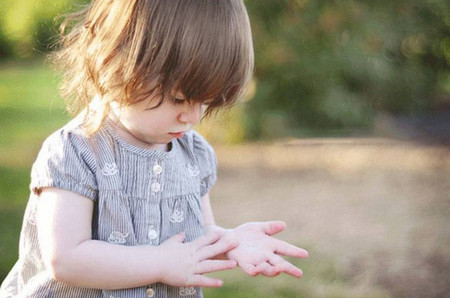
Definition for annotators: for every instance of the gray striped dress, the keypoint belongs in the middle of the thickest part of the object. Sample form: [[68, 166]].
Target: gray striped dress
[[141, 197]]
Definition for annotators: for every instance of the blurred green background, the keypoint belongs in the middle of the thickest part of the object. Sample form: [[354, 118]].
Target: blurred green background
[[346, 71], [323, 67]]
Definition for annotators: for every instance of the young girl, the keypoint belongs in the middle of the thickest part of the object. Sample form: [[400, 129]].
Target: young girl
[[119, 203]]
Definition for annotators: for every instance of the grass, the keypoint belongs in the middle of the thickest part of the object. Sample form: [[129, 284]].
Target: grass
[[373, 214], [29, 110]]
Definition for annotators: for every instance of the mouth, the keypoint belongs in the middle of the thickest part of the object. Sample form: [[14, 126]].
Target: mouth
[[177, 134]]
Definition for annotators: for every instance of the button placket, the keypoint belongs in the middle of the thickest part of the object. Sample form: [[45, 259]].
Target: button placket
[[155, 188], [155, 185]]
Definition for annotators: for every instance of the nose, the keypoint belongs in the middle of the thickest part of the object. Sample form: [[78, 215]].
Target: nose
[[192, 113]]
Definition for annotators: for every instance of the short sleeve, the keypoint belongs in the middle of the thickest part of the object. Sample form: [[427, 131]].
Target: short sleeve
[[207, 163], [65, 162]]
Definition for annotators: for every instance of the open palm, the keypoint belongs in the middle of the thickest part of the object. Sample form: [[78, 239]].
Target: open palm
[[260, 253]]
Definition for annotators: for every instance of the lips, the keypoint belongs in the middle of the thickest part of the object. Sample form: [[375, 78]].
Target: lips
[[177, 134]]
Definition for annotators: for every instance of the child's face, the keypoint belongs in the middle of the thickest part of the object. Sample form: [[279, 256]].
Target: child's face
[[152, 128]]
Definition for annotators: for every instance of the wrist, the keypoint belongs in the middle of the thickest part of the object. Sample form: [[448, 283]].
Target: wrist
[[161, 263]]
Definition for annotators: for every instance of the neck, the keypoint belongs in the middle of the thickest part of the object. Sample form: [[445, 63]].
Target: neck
[[126, 135]]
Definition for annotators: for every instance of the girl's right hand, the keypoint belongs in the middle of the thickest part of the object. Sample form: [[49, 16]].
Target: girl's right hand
[[183, 264]]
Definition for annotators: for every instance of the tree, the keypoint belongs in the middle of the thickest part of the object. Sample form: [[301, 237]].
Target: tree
[[334, 64]]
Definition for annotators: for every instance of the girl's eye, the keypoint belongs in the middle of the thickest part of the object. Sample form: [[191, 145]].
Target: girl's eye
[[177, 100]]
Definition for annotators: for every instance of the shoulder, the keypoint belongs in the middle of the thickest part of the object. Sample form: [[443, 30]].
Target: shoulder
[[206, 160], [66, 161], [198, 144], [68, 142], [70, 134]]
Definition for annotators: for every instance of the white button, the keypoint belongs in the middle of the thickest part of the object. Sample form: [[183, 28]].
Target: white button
[[157, 169], [152, 234], [156, 187], [150, 292]]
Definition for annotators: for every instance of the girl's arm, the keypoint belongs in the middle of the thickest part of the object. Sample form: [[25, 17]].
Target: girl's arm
[[257, 251], [64, 230]]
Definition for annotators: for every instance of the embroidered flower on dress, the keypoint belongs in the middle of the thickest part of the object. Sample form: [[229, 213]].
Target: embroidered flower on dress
[[187, 291], [117, 237], [156, 187], [193, 170], [109, 169], [177, 216]]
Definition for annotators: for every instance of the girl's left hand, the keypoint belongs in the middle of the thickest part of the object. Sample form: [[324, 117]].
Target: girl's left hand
[[259, 253]]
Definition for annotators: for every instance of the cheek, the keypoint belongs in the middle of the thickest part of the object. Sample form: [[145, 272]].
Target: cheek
[[134, 121], [170, 114]]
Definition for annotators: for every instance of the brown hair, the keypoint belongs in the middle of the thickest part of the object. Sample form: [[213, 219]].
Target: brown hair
[[125, 50]]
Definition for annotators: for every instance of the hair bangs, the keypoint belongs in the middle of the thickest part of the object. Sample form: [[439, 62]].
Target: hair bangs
[[210, 58]]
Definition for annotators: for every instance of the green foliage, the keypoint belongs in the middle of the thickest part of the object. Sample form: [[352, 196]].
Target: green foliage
[[29, 27], [322, 67], [333, 64], [10, 231]]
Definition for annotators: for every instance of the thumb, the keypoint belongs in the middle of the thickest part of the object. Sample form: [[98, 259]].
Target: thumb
[[177, 238], [273, 227]]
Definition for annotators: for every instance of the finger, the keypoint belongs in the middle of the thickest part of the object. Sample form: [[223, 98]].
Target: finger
[[205, 281], [270, 271], [273, 227], [208, 239], [250, 269], [261, 267], [280, 265], [220, 247], [208, 266], [287, 249]]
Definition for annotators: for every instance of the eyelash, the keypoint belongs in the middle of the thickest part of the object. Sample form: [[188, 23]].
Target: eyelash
[[178, 101]]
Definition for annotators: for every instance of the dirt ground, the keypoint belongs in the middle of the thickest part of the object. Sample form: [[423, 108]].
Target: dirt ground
[[378, 208]]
